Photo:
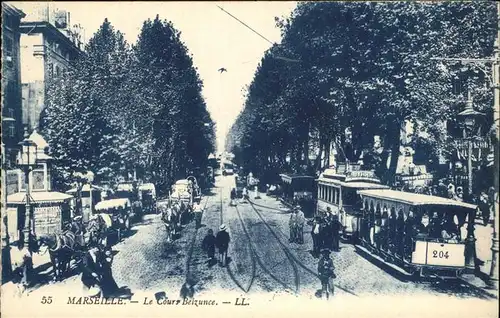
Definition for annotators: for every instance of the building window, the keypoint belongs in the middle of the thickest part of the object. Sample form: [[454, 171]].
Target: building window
[[12, 131], [10, 112], [58, 71]]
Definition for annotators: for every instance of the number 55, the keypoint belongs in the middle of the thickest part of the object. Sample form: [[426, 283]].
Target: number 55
[[47, 300]]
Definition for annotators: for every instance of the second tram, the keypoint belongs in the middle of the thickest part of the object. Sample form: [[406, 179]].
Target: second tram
[[420, 234], [338, 192]]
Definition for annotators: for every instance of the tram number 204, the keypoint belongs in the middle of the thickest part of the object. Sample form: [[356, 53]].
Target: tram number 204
[[440, 254]]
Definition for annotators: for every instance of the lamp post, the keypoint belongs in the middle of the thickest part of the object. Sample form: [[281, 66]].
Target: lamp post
[[27, 161], [6, 260], [469, 116]]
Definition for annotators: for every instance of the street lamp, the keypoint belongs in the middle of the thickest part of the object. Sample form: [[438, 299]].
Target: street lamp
[[26, 159], [6, 259], [469, 116]]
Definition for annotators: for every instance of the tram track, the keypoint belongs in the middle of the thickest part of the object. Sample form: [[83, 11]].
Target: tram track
[[255, 257], [289, 253], [191, 247], [228, 268]]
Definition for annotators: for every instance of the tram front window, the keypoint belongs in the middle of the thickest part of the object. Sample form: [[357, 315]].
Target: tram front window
[[350, 197]]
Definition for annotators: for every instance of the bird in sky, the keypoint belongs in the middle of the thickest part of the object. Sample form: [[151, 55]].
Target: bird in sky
[[222, 70]]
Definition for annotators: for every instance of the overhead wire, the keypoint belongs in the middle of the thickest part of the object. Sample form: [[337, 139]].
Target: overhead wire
[[260, 35]]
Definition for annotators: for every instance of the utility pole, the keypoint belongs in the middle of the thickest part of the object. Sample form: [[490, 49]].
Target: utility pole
[[495, 83]]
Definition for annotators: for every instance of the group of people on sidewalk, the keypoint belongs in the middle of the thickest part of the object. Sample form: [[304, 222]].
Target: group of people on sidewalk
[[325, 230], [220, 241]]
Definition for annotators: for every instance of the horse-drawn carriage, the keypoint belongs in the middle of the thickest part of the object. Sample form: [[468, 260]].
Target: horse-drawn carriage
[[148, 197], [112, 217], [131, 192]]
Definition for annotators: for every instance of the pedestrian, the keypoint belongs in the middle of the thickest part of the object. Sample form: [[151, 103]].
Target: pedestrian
[[336, 227], [484, 207], [198, 213], [23, 270], [208, 246], [222, 242], [233, 196], [325, 233], [91, 268], [326, 273], [187, 290], [108, 285], [292, 224], [315, 236], [301, 220], [245, 194]]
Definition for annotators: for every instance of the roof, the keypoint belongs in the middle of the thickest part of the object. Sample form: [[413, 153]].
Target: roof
[[113, 203], [125, 187], [34, 27], [364, 185], [414, 198], [86, 188], [38, 140], [285, 176], [147, 186], [183, 181], [42, 196]]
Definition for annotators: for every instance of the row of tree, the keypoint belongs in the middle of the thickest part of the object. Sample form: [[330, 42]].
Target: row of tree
[[127, 110], [348, 71]]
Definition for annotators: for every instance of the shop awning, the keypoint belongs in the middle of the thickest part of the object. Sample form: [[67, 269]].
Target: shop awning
[[113, 203], [44, 196]]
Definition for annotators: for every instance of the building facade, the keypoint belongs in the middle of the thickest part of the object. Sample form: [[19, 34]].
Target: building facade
[[12, 130], [49, 45]]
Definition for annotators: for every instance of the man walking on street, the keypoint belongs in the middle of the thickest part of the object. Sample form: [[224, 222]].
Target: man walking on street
[[301, 220], [315, 236], [326, 273], [222, 241], [336, 226], [292, 224], [198, 213]]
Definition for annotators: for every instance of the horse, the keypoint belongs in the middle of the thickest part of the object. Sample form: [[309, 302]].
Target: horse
[[170, 218], [62, 247], [98, 229]]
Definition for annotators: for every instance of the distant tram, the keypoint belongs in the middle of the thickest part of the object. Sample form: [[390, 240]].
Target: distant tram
[[416, 233], [301, 190], [339, 193]]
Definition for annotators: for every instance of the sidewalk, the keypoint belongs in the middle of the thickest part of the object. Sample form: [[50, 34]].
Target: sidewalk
[[483, 236]]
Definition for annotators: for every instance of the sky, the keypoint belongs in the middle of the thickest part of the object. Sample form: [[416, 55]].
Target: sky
[[213, 38]]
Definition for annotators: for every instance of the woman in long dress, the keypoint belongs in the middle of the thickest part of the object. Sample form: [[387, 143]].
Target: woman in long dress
[[108, 284]]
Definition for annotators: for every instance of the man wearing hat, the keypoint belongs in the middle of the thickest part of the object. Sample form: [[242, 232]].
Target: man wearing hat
[[222, 241], [326, 273], [292, 225], [301, 220]]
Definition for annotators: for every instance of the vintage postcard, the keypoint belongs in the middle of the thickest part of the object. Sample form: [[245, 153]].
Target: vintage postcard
[[250, 159]]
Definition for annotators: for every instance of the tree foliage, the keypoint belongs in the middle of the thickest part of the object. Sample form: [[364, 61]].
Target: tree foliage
[[364, 69], [125, 111]]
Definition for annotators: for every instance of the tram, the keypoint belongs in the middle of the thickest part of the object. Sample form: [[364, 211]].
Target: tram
[[421, 235], [299, 189], [339, 193]]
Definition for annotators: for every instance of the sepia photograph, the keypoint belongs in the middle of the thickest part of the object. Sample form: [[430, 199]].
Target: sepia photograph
[[250, 159]]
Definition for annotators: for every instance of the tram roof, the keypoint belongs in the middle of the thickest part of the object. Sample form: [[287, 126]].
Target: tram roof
[[361, 183], [295, 176], [413, 198]]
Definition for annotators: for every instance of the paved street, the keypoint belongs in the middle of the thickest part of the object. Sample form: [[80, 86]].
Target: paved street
[[261, 259]]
